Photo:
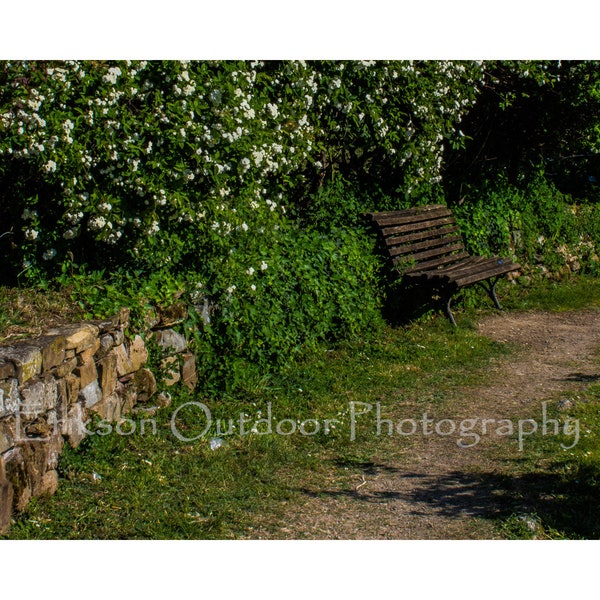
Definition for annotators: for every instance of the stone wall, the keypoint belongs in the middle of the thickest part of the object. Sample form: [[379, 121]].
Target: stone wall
[[50, 386]]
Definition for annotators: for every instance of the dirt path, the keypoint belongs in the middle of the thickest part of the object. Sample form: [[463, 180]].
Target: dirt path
[[438, 490]]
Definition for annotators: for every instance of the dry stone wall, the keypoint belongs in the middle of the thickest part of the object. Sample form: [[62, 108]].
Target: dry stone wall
[[51, 386]]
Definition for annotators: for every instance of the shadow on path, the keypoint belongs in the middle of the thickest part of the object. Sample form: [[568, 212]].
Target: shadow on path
[[568, 505]]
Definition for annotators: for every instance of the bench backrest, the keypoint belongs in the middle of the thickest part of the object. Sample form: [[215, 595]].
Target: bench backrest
[[420, 238]]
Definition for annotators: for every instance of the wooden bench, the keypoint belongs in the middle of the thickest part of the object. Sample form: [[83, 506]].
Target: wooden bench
[[425, 247]]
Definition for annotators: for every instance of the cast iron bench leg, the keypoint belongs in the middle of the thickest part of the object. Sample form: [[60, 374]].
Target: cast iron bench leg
[[448, 310], [490, 288]]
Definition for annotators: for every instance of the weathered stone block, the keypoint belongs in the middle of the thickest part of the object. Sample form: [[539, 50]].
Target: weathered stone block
[[7, 369], [106, 344], [7, 435], [16, 474], [6, 499], [68, 366], [88, 354], [48, 484], [129, 401], [189, 375], [10, 399], [53, 447], [108, 374], [38, 428], [171, 341], [122, 360], [53, 349], [26, 359], [38, 397], [73, 384], [145, 384], [87, 373], [138, 354], [131, 359], [109, 408], [107, 325], [80, 337], [34, 459], [91, 394], [74, 428], [118, 336]]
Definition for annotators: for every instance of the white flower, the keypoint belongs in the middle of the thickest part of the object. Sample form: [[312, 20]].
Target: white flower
[[31, 234], [96, 223], [253, 287], [245, 226], [250, 271], [70, 234], [29, 214], [231, 289], [272, 110], [49, 254], [50, 167], [258, 156], [216, 97], [112, 75], [263, 266]]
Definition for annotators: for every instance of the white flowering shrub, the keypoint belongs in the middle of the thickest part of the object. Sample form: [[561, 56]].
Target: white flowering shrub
[[241, 183], [164, 162]]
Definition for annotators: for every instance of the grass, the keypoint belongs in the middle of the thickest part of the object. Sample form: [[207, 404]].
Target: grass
[[152, 485], [574, 293], [158, 487], [558, 494], [27, 312]]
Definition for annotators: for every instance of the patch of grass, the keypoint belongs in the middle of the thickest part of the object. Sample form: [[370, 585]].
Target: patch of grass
[[573, 293], [28, 312], [156, 486], [159, 487], [557, 479]]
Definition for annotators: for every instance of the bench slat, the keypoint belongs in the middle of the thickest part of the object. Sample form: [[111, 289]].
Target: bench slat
[[409, 211], [428, 254], [424, 266], [432, 243], [421, 225], [487, 274], [420, 235], [413, 218]]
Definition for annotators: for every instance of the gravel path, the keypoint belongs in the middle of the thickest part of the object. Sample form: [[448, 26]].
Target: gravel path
[[438, 490]]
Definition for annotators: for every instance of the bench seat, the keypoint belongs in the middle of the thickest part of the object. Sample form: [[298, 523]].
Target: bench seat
[[425, 246]]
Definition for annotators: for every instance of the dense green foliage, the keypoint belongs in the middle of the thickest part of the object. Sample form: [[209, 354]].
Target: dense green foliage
[[240, 184]]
